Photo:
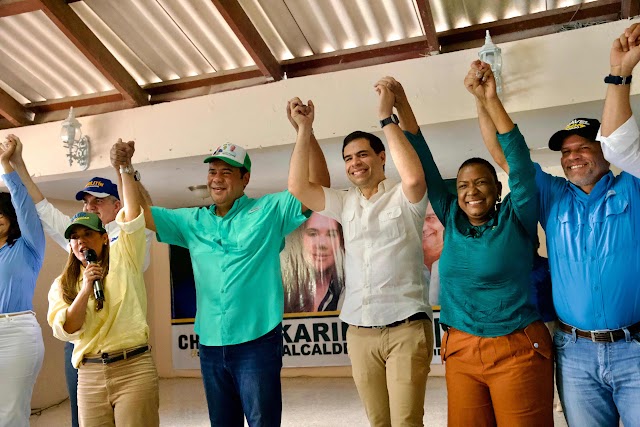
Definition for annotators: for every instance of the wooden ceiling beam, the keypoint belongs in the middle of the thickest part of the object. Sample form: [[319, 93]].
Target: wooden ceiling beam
[[13, 111], [16, 7], [538, 20], [424, 10], [67, 21], [629, 9], [246, 32]]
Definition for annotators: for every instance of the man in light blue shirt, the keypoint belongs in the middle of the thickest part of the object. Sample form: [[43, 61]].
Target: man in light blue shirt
[[592, 227]]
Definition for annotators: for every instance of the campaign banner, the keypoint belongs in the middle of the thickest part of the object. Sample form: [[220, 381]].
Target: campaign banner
[[308, 341], [312, 267]]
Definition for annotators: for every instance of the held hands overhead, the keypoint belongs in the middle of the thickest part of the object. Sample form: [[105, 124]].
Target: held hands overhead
[[625, 52], [121, 153], [387, 96], [8, 148], [300, 115], [480, 82]]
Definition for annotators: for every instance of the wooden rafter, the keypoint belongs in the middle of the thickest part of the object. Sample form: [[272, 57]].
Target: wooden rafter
[[361, 57], [267, 65], [16, 7], [538, 20], [630, 8], [243, 28], [424, 9], [12, 110], [67, 21]]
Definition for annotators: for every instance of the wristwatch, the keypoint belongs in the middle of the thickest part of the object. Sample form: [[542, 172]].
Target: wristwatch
[[618, 80], [391, 119], [129, 169]]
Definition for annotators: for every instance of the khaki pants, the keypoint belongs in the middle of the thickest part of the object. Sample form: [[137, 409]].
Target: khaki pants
[[390, 368], [504, 381], [123, 393]]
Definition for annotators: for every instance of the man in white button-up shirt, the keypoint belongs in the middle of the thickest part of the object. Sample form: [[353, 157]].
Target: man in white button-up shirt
[[390, 337]]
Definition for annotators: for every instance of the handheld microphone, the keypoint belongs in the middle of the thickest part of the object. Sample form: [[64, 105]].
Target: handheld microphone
[[91, 257]]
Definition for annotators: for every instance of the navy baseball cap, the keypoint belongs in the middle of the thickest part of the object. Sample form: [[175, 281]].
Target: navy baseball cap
[[586, 128], [99, 187]]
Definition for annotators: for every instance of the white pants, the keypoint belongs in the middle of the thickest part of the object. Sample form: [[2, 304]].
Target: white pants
[[21, 354]]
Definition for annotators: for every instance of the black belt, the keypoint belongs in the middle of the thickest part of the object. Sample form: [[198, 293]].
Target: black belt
[[417, 316], [107, 358], [601, 336]]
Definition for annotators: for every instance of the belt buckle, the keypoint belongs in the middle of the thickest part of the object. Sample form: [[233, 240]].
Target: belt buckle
[[601, 336], [105, 358]]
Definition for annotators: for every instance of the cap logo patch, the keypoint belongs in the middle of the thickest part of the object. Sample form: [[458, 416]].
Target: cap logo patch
[[577, 124]]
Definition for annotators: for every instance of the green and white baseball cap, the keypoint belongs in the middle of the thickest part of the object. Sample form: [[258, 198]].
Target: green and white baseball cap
[[85, 219], [231, 154]]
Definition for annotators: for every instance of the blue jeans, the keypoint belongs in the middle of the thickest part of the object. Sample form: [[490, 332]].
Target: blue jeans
[[71, 374], [244, 379], [598, 383]]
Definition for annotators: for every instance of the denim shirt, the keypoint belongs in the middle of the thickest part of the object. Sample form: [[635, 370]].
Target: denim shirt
[[592, 242]]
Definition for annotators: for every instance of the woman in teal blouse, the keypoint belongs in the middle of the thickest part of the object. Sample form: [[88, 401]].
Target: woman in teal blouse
[[497, 351]]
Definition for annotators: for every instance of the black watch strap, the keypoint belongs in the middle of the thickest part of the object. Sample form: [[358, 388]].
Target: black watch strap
[[391, 119], [618, 80]]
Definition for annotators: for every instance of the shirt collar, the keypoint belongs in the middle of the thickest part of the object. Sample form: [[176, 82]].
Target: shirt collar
[[601, 187], [238, 204], [383, 186]]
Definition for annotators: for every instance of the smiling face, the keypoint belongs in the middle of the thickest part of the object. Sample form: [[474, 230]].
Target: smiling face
[[432, 237], [583, 162], [105, 207], [83, 238], [364, 167], [478, 192], [226, 184], [320, 240]]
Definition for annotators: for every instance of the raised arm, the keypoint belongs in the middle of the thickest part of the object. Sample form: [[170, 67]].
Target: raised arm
[[121, 155], [54, 222], [403, 154], [28, 221], [439, 196], [300, 184], [18, 164], [318, 170], [481, 83], [130, 195], [624, 56], [619, 135]]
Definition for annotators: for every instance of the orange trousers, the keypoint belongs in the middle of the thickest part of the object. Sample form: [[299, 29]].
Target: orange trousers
[[502, 381]]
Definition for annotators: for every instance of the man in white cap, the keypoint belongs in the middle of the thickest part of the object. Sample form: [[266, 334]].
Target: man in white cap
[[235, 245]]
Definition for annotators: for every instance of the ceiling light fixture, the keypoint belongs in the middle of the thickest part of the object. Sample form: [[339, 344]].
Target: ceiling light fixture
[[75, 142], [492, 55]]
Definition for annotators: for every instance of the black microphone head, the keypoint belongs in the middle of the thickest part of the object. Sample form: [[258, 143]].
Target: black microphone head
[[90, 255]]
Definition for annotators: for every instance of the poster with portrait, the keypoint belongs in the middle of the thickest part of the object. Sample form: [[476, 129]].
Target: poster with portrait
[[312, 264]]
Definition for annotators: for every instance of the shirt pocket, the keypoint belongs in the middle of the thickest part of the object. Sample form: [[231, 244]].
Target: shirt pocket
[[391, 224], [350, 225], [612, 226]]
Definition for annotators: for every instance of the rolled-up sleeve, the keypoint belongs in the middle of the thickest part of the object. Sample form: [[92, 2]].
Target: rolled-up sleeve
[[132, 241], [622, 147], [57, 314], [333, 203]]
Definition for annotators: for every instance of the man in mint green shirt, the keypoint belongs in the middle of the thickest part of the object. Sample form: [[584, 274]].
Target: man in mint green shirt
[[235, 245]]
